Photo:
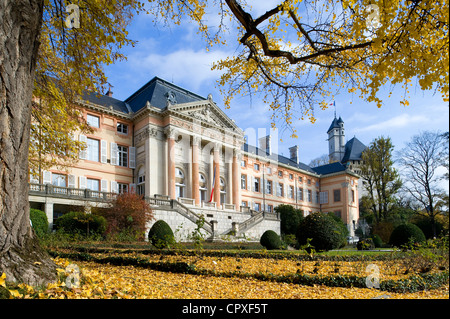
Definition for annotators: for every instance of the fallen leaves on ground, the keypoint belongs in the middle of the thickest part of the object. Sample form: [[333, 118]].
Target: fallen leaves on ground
[[106, 281]]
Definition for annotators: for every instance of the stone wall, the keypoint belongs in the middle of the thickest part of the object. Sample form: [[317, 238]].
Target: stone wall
[[183, 227]]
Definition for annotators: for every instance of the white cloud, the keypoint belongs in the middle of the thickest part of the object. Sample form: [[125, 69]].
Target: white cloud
[[395, 123]]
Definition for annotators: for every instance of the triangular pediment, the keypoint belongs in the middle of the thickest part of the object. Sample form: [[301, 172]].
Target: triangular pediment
[[206, 112]]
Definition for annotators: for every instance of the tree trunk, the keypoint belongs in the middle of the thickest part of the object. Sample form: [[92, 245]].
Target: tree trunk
[[21, 257]]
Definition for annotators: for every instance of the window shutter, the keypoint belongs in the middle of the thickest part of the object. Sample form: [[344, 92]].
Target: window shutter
[[82, 182], [114, 154], [104, 185], [47, 177], [253, 184], [83, 153], [249, 183], [103, 151], [71, 181], [114, 187], [132, 157]]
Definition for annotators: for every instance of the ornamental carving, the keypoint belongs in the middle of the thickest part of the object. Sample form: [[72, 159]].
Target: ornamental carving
[[145, 134]]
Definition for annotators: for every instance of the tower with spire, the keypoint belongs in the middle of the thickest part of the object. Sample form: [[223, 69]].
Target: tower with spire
[[336, 140]]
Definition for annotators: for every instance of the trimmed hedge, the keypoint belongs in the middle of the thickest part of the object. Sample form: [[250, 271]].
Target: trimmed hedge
[[81, 223], [402, 235], [161, 235], [270, 240], [39, 222], [325, 232]]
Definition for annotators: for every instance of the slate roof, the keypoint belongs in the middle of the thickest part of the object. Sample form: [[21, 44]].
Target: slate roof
[[329, 168], [353, 150], [106, 101], [335, 124], [157, 91], [276, 157]]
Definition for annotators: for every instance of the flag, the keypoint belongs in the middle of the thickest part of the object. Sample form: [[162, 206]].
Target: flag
[[333, 103], [213, 183]]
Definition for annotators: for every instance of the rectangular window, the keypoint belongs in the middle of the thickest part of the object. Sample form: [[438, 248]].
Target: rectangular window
[[309, 196], [244, 203], [353, 196], [123, 155], [243, 181], [291, 177], [257, 207], [270, 208], [291, 192], [59, 180], [337, 195], [300, 194], [269, 187], [280, 174], [323, 197], [243, 163], [93, 121], [269, 170], [93, 150], [280, 190], [93, 184], [256, 167], [122, 128], [122, 188], [257, 181]]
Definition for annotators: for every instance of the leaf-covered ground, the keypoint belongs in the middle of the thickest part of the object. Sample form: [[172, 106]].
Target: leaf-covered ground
[[108, 281]]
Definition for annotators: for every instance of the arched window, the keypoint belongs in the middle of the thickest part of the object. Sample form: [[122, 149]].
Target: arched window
[[179, 183], [223, 191], [140, 187], [202, 186]]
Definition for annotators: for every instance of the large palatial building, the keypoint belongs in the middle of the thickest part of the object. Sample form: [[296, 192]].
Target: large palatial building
[[189, 159]]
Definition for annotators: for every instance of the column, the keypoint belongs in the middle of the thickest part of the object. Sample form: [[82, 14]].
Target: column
[[216, 161], [195, 173], [171, 162], [48, 208], [236, 168]]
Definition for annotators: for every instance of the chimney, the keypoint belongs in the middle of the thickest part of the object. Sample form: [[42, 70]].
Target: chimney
[[293, 151], [264, 144], [109, 93]]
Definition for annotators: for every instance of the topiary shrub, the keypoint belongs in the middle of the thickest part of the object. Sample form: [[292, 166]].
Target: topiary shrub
[[365, 244], [290, 218], [39, 222], [403, 234], [324, 231], [270, 240], [161, 235], [81, 223]]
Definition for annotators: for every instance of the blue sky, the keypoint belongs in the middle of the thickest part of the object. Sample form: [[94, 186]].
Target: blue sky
[[177, 54]]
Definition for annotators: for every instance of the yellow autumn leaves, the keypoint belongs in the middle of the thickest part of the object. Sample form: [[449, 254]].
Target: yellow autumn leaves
[[105, 281]]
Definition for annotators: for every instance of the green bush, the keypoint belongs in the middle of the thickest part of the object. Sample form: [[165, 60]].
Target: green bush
[[377, 240], [365, 244], [290, 218], [425, 225], [324, 231], [270, 240], [403, 234], [81, 223], [39, 222], [161, 235]]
